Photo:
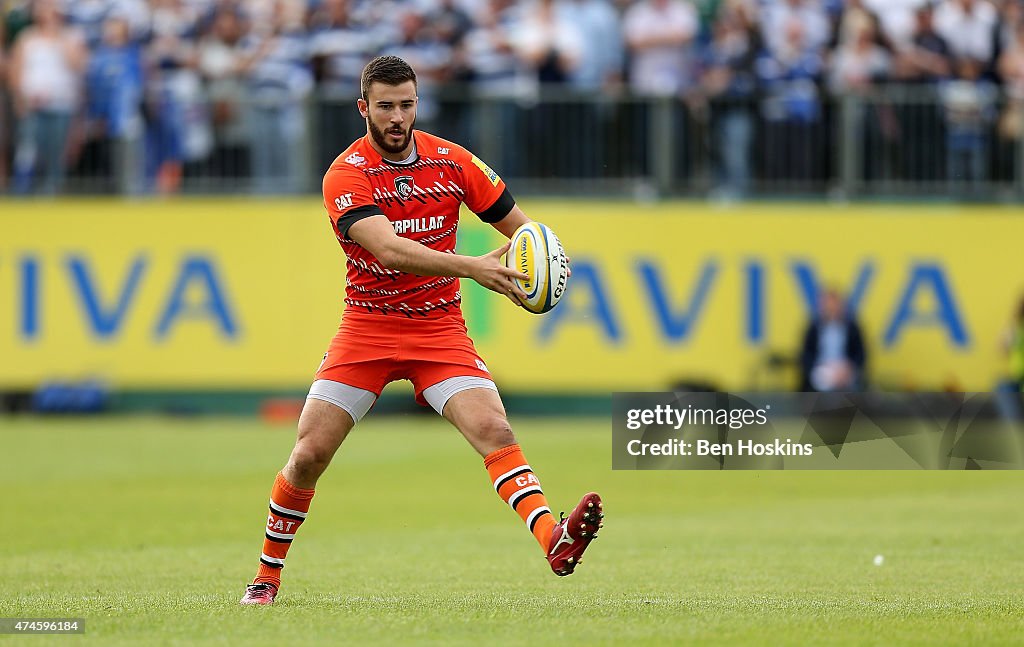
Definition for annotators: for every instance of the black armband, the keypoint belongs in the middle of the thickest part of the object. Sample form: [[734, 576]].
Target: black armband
[[501, 208], [353, 216]]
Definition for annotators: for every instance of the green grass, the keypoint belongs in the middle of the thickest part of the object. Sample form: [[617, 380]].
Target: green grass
[[149, 528]]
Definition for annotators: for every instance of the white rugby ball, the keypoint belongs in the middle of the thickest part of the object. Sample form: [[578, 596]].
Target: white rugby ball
[[537, 252]]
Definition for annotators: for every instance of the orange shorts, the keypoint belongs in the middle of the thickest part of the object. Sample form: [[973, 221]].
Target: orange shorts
[[371, 350]]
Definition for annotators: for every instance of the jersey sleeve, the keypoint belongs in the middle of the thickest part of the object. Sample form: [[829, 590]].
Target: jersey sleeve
[[486, 194], [348, 198]]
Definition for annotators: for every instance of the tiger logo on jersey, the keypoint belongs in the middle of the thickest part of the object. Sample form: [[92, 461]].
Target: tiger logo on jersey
[[404, 186]]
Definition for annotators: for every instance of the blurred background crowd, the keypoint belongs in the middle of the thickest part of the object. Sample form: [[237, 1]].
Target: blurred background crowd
[[139, 96]]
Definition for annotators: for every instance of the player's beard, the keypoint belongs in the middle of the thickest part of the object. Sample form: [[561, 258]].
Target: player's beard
[[380, 137]]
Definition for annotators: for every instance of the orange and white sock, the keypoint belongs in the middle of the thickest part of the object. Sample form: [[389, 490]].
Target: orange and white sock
[[288, 508], [519, 487]]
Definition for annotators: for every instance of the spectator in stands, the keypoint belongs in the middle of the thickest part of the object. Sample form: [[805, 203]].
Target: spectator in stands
[[926, 59], [969, 102], [422, 47], [17, 16], [832, 356], [450, 22], [221, 58], [341, 46], [1011, 72], [46, 70], [115, 87], [897, 19], [660, 35], [5, 122], [1011, 111], [173, 96], [600, 69], [1011, 16], [857, 67], [548, 44], [854, 18], [968, 26], [730, 81], [435, 60], [90, 15], [780, 15], [858, 63], [551, 47], [601, 64], [500, 85], [279, 79], [494, 67], [791, 106]]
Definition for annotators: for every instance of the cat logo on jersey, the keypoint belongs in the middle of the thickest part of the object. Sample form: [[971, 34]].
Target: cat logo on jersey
[[491, 175], [404, 186]]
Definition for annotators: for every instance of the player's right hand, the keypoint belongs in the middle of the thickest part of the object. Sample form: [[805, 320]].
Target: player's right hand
[[490, 272]]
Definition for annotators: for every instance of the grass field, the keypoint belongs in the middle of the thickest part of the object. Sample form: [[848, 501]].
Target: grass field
[[150, 527]]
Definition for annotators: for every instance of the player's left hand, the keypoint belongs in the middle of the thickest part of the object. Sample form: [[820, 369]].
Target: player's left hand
[[492, 273]]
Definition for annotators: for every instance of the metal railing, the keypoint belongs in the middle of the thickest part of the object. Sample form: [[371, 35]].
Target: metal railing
[[895, 141]]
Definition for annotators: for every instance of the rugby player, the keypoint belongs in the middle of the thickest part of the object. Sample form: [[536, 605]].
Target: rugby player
[[393, 199]]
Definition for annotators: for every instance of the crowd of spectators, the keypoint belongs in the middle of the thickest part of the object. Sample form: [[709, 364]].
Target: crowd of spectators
[[144, 88]]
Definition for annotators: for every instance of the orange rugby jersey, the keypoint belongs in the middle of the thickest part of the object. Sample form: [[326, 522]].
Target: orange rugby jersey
[[421, 198]]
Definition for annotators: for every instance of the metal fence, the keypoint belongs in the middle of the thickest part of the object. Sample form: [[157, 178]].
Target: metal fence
[[895, 141]]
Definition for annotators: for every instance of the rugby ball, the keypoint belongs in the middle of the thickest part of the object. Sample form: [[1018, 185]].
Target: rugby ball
[[537, 252]]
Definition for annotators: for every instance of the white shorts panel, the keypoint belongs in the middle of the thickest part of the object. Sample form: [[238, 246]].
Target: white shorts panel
[[353, 400], [438, 394]]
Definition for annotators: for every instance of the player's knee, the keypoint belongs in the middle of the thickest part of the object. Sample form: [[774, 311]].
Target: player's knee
[[310, 458], [496, 431]]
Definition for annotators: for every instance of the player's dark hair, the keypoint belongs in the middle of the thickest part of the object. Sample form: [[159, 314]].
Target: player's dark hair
[[389, 70]]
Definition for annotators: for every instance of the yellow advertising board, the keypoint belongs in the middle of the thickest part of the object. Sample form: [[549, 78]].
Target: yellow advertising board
[[238, 293]]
